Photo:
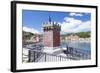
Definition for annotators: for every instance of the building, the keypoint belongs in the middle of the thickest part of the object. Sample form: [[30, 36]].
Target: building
[[29, 38], [51, 36], [72, 38], [35, 38]]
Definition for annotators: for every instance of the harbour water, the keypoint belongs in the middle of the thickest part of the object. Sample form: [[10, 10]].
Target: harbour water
[[84, 47]]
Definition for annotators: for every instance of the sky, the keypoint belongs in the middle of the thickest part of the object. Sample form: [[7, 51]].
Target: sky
[[71, 22]]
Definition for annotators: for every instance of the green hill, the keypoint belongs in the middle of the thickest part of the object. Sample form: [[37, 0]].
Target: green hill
[[84, 34], [80, 34]]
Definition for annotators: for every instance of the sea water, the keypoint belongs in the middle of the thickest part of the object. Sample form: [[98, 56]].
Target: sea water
[[84, 47]]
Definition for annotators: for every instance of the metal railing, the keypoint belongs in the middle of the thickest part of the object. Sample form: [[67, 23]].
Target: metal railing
[[39, 56], [78, 53]]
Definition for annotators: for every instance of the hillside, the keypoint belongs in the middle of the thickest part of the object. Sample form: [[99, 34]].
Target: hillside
[[80, 34]]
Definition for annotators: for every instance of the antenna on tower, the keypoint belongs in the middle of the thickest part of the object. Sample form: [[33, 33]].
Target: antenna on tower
[[49, 19]]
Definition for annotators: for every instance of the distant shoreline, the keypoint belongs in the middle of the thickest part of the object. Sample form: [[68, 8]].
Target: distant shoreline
[[83, 41]]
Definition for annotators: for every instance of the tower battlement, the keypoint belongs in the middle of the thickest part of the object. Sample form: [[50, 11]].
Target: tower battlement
[[51, 26]]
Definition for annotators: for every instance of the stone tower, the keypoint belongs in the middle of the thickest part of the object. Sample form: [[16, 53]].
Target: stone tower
[[51, 36]]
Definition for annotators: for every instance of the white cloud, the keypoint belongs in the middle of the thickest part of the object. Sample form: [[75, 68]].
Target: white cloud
[[85, 26], [72, 25], [32, 30], [75, 14]]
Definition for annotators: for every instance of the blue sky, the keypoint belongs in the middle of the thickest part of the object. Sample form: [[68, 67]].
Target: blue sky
[[70, 21]]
